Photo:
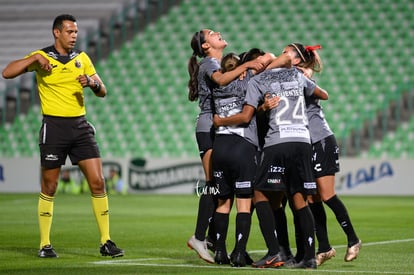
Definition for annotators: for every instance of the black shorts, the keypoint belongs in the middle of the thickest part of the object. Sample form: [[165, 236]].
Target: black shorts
[[234, 166], [325, 158], [60, 137], [286, 167], [205, 141]]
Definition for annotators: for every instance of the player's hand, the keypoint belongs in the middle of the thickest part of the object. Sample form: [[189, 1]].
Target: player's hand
[[242, 75], [270, 102], [255, 65], [44, 63], [216, 121], [84, 80]]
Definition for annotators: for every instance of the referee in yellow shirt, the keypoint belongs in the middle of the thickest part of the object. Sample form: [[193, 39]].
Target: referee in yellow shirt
[[61, 73]]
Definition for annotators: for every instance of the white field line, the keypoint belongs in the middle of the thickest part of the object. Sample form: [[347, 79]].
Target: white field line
[[153, 262], [363, 244]]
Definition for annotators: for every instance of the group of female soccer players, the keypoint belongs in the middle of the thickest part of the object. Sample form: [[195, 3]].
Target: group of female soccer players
[[263, 140]]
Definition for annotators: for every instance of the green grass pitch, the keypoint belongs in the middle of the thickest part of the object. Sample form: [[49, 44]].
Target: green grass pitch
[[153, 230]]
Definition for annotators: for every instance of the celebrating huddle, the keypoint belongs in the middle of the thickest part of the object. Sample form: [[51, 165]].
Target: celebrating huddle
[[264, 141]]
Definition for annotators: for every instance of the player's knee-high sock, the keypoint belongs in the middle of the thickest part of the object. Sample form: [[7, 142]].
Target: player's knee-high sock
[[211, 229], [307, 225], [300, 249], [267, 226], [101, 210], [221, 221], [319, 215], [243, 223], [342, 217], [206, 208], [298, 233], [45, 214], [282, 230]]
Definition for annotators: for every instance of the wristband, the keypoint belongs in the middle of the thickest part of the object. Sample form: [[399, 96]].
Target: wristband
[[97, 87]]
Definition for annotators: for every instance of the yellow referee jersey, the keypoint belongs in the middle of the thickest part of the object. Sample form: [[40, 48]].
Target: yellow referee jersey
[[60, 93]]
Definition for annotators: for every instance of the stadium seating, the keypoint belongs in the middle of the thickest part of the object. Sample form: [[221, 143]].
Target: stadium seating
[[365, 48]]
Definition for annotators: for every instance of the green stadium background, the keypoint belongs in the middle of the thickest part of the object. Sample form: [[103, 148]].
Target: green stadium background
[[368, 71]]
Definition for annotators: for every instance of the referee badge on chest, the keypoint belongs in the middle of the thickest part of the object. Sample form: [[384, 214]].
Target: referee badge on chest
[[77, 64]]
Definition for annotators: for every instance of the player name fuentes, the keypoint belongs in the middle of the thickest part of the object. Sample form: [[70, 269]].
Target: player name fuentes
[[142, 179]]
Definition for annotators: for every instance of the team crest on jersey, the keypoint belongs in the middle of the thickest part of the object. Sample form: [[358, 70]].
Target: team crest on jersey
[[77, 64]]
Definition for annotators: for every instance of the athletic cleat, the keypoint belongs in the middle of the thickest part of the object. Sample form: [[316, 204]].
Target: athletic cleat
[[353, 251], [308, 264], [47, 251], [109, 249], [221, 257], [269, 261], [285, 253], [201, 248], [290, 262], [239, 259], [247, 257], [324, 256]]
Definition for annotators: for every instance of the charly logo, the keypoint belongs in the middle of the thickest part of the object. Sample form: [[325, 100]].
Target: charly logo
[[206, 190]]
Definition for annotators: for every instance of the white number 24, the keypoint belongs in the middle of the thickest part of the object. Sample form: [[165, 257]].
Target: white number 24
[[298, 113]]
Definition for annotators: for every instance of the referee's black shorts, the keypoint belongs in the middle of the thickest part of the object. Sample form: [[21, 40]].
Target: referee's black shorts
[[325, 158], [60, 137], [286, 167], [234, 166]]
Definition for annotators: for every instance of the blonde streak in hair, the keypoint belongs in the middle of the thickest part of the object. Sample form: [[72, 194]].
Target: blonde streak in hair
[[318, 62]]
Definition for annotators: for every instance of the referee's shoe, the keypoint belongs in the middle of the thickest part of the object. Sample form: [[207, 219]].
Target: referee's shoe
[[47, 251], [110, 249]]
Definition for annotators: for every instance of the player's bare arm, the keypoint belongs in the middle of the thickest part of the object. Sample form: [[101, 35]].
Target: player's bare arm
[[18, 67], [321, 93], [241, 118]]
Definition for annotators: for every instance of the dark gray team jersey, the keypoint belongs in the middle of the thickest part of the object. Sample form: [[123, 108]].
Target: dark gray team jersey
[[205, 84], [318, 126], [205, 87], [228, 101], [288, 122]]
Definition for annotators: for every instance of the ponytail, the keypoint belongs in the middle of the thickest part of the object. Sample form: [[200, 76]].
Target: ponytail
[[193, 82], [196, 44]]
